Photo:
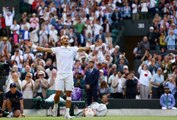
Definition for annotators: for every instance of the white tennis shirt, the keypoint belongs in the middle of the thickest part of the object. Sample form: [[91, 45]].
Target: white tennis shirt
[[65, 58]]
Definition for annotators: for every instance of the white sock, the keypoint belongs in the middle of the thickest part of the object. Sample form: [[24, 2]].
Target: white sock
[[67, 110], [55, 106]]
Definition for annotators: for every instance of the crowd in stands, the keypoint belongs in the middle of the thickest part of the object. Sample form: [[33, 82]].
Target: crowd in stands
[[88, 23], [157, 52]]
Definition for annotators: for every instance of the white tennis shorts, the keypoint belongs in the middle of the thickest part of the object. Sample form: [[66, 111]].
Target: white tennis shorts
[[64, 82]]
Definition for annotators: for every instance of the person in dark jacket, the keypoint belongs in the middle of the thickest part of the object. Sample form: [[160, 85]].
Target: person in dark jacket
[[131, 86], [91, 81]]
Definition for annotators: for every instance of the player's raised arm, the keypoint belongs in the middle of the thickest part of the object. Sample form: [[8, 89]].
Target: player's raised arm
[[38, 48], [84, 49]]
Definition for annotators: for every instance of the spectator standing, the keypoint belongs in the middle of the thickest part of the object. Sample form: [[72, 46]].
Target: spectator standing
[[130, 86], [17, 57], [28, 86], [144, 80], [144, 9], [13, 79], [135, 10], [157, 81], [9, 16], [171, 39], [2, 25]]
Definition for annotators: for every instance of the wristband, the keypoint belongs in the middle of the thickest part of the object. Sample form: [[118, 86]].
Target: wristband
[[34, 46]]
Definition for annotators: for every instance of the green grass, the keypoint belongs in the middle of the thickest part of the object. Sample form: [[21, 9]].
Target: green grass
[[103, 118]]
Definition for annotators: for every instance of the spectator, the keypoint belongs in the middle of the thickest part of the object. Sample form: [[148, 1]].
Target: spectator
[[153, 66], [135, 10], [104, 90], [170, 40], [13, 79], [34, 34], [25, 71], [79, 26], [152, 7], [144, 9], [151, 37], [162, 42], [2, 26], [108, 40], [106, 27], [130, 86], [79, 81], [34, 21], [28, 86], [24, 24], [17, 57], [97, 27], [100, 36], [81, 39], [157, 81], [5, 46], [171, 83], [143, 45], [43, 38], [121, 64], [117, 85], [25, 35], [41, 85], [144, 80], [102, 76], [126, 11], [166, 66], [115, 15], [15, 28], [8, 15]]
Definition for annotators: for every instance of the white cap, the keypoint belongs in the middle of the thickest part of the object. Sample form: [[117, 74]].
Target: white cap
[[34, 14], [125, 67], [64, 36], [151, 28], [41, 72], [101, 71], [117, 46]]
